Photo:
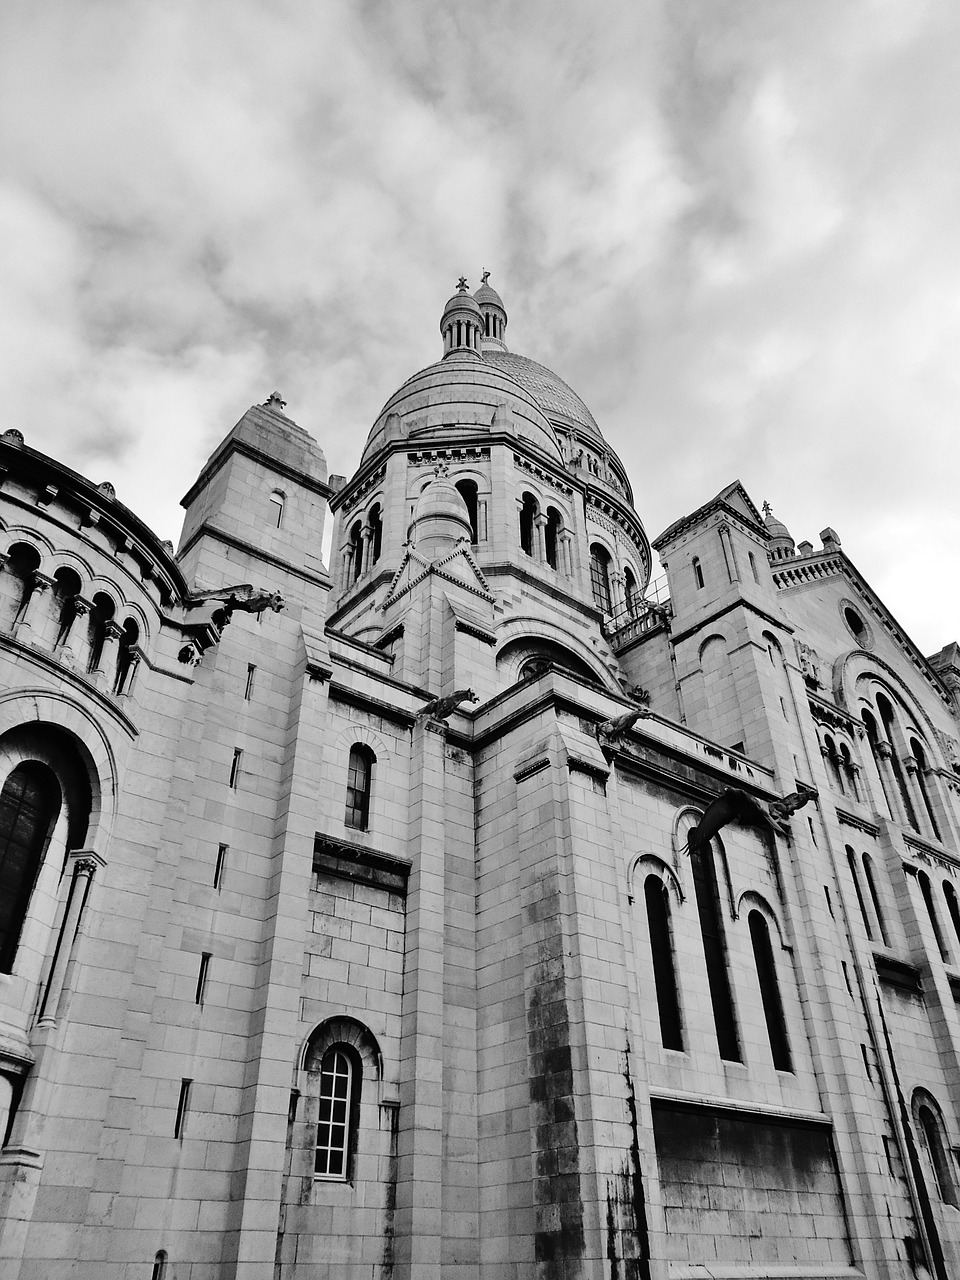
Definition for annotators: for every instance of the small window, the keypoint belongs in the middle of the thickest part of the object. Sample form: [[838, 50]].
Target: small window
[[276, 508], [875, 898], [552, 536], [855, 623], [855, 876], [235, 768], [375, 524], [753, 566], [338, 1114], [715, 952], [356, 551], [220, 866], [202, 977], [600, 578], [183, 1108], [697, 572], [251, 681], [926, 891], [770, 992], [631, 592], [529, 510], [359, 779], [127, 656], [160, 1266]]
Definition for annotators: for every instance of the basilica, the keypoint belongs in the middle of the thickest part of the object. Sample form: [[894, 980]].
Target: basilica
[[462, 908]]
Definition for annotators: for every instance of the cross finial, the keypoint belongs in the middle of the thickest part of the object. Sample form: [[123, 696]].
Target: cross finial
[[440, 470], [275, 401], [767, 509], [485, 277], [462, 284]]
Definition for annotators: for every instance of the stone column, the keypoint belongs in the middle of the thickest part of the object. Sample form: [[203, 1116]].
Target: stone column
[[26, 627], [109, 650], [539, 537], [73, 639], [83, 863], [420, 1140]]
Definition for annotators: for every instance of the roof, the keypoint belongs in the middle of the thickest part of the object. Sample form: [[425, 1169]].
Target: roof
[[555, 398]]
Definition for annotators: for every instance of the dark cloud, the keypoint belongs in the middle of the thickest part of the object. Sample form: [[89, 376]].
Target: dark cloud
[[730, 225]]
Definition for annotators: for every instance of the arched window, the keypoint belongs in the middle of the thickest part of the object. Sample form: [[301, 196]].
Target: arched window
[[468, 491], [375, 522], [101, 613], [359, 781], [924, 882], [770, 992], [953, 906], [16, 582], [66, 588], [528, 514], [160, 1265], [887, 716], [664, 972], [917, 751], [875, 898], [29, 804], [873, 738], [849, 770], [715, 951], [339, 1113], [697, 572], [855, 875], [277, 502], [127, 656], [356, 547], [930, 1126], [600, 578], [832, 757], [753, 566], [552, 536], [632, 593]]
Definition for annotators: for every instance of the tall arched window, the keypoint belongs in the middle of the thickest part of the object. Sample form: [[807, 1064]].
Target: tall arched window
[[697, 572], [529, 510], [339, 1113], [600, 578], [375, 522], [873, 738], [359, 783], [770, 992], [16, 582], [101, 613], [953, 906], [924, 881], [127, 656], [356, 547], [664, 973], [469, 492], [918, 753], [889, 720], [875, 898], [552, 536], [715, 951], [930, 1126], [66, 588], [849, 770], [29, 804], [855, 875], [276, 502], [832, 756], [631, 592]]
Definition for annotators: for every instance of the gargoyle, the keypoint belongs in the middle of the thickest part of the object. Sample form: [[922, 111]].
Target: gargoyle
[[241, 595], [442, 708], [733, 803], [611, 731]]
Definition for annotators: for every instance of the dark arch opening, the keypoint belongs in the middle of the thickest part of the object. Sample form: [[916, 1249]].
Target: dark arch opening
[[375, 521], [552, 536], [600, 578], [468, 491], [30, 803], [101, 613], [657, 903], [528, 513], [66, 588], [16, 581]]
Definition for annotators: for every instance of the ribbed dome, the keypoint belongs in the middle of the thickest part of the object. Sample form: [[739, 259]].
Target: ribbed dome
[[781, 540], [555, 398], [440, 500], [490, 296], [461, 302]]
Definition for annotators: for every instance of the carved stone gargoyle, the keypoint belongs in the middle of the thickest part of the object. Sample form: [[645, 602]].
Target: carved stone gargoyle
[[442, 708], [733, 803], [611, 731]]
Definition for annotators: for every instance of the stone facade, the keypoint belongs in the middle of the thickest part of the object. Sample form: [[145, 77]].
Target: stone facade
[[438, 915]]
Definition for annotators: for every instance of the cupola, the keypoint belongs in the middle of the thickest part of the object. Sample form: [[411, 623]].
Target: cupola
[[781, 546], [493, 315], [440, 519], [461, 324]]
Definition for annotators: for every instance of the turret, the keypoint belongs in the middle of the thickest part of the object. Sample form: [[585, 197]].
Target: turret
[[461, 324], [494, 315]]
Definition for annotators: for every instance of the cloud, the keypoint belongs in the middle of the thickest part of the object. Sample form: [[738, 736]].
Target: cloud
[[731, 226]]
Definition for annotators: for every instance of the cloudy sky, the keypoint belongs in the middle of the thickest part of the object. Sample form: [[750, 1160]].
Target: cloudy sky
[[732, 225]]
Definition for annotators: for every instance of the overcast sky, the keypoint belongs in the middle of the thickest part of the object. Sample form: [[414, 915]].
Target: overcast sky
[[732, 227]]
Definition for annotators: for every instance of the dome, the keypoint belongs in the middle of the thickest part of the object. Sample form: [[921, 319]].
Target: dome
[[781, 540], [461, 302], [554, 397], [440, 518], [489, 297]]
